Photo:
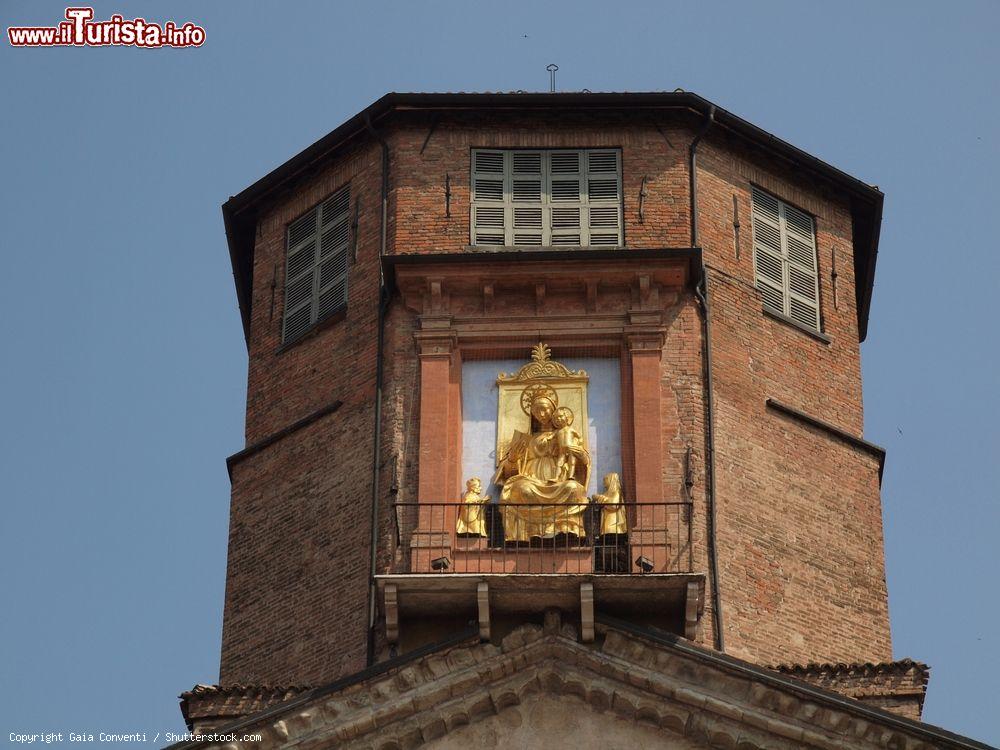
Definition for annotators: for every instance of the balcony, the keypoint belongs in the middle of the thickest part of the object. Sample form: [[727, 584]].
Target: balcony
[[643, 572]]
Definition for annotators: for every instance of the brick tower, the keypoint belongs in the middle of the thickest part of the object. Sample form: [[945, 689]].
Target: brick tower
[[693, 287]]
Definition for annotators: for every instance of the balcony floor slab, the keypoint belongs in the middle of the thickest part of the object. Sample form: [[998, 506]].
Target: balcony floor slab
[[651, 595]]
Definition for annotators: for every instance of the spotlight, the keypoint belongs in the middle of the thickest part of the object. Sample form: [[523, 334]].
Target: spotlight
[[644, 563], [440, 563]]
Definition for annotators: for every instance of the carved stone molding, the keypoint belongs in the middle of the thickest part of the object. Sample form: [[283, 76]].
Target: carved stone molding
[[707, 700], [482, 298]]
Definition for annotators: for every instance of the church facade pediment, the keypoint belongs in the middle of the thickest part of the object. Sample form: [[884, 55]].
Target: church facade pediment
[[541, 686]]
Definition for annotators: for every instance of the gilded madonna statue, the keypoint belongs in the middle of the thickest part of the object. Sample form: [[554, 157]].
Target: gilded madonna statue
[[544, 473]]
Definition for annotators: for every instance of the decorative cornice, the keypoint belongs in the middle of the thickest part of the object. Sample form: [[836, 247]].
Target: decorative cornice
[[903, 666], [665, 681]]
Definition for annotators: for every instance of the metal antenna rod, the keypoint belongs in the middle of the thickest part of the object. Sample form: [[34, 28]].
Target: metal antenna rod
[[552, 68]]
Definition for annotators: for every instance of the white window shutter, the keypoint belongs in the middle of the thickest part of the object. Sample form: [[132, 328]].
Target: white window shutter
[[526, 188], [316, 265], [566, 213], [488, 209], [785, 259], [604, 200], [547, 197], [800, 250]]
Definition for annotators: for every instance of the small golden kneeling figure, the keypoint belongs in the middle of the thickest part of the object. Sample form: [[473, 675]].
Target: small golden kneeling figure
[[612, 510], [472, 515]]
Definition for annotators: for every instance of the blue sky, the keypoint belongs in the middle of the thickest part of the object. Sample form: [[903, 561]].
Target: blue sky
[[123, 383]]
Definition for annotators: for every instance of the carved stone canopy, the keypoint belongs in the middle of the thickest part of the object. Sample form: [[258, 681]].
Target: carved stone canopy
[[568, 387], [541, 367]]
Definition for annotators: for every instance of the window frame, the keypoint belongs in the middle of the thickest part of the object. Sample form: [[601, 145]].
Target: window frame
[[339, 229], [548, 231], [787, 261]]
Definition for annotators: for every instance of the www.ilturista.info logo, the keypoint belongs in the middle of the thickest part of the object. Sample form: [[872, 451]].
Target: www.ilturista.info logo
[[80, 30]]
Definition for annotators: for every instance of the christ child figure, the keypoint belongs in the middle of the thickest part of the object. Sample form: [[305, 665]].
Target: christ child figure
[[569, 441]]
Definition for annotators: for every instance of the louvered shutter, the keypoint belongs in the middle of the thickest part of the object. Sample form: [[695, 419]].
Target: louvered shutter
[[488, 204], [800, 251], [604, 200], [785, 259], [550, 197], [525, 198], [565, 187], [316, 265]]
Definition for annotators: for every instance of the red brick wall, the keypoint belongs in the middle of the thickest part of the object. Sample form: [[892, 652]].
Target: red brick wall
[[800, 524], [296, 591], [799, 514]]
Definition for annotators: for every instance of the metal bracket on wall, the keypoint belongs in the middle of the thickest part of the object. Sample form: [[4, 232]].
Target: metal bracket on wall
[[447, 195], [274, 284], [688, 471], [354, 228], [434, 124], [736, 225], [642, 200], [833, 277]]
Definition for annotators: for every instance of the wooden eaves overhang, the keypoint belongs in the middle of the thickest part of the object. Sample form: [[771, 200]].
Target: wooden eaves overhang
[[240, 212]]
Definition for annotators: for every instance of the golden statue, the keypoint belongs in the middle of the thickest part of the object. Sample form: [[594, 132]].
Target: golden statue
[[471, 517], [612, 510], [570, 442], [544, 472]]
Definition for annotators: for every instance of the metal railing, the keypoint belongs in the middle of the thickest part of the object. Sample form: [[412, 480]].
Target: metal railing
[[631, 538]]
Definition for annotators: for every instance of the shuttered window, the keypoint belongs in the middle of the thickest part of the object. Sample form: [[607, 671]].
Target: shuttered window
[[316, 265], [546, 197], [784, 244]]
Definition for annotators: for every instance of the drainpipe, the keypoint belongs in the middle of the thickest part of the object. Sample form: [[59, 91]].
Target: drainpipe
[[383, 303], [701, 292]]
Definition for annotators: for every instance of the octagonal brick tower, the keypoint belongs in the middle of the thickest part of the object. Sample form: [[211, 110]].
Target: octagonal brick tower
[[713, 280]]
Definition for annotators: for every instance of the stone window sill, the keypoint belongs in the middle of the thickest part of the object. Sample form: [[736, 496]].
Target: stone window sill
[[536, 248], [782, 318]]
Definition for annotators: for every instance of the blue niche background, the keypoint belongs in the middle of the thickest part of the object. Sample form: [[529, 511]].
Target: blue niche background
[[479, 417]]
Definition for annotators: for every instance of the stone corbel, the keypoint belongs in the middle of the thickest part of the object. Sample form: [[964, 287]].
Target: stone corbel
[[691, 611], [646, 312], [649, 296], [645, 341], [487, 298], [591, 296], [426, 296], [483, 603], [391, 614], [587, 612], [646, 290], [436, 302]]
